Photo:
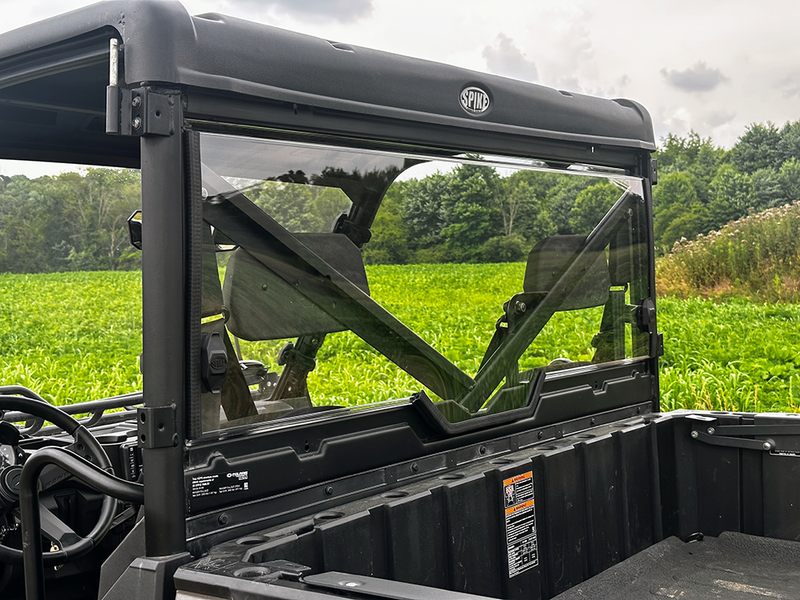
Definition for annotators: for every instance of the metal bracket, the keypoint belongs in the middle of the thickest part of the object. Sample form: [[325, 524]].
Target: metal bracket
[[157, 426], [727, 436], [139, 112]]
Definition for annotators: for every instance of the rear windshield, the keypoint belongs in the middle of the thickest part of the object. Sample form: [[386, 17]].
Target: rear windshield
[[335, 278]]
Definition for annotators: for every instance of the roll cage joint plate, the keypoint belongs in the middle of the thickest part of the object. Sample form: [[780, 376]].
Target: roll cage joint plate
[[140, 111]]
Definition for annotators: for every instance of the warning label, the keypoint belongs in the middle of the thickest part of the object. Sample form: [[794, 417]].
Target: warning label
[[220, 483], [520, 517]]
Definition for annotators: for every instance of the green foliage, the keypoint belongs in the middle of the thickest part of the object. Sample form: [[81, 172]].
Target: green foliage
[[757, 256], [758, 148], [789, 178], [299, 208], [71, 336], [389, 243], [758, 173], [734, 355], [693, 154], [471, 211], [678, 211], [525, 205], [591, 204], [504, 248], [75, 221]]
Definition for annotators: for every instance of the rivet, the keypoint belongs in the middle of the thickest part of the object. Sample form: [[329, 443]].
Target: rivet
[[711, 430], [767, 446], [694, 434]]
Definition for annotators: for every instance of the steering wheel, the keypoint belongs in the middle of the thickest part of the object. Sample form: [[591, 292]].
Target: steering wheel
[[70, 544]]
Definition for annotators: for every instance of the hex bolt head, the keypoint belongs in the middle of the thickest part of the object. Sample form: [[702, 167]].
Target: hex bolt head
[[694, 434], [711, 430], [136, 101], [136, 123]]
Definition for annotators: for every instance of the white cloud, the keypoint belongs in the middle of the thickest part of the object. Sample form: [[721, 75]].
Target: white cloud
[[504, 58], [345, 11], [698, 78]]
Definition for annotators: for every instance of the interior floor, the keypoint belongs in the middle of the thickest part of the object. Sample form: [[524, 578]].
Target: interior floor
[[734, 566]]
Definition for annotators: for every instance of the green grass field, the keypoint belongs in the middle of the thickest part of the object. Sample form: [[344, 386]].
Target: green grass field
[[77, 336]]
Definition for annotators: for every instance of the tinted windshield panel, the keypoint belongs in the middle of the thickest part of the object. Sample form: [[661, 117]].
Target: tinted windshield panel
[[334, 278]]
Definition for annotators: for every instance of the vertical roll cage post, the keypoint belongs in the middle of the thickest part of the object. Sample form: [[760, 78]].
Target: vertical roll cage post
[[166, 273]]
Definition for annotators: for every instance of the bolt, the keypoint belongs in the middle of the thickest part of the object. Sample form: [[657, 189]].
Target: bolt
[[694, 434], [264, 287], [414, 467], [136, 102], [520, 307], [329, 491], [137, 123], [222, 519], [711, 430], [767, 446], [540, 435], [592, 421], [483, 450]]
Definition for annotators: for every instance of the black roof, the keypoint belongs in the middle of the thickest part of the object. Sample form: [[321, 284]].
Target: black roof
[[53, 76]]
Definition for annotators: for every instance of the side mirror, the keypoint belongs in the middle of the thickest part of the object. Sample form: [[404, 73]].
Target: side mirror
[[135, 229]]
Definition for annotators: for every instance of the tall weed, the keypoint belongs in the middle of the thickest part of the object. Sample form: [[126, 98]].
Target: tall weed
[[757, 256]]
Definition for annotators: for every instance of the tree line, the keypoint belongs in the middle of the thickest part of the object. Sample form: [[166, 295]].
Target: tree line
[[472, 213], [702, 187], [70, 222]]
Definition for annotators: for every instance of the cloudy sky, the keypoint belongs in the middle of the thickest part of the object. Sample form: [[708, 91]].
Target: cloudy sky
[[713, 66]]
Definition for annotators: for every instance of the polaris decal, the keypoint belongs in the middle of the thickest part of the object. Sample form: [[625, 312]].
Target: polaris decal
[[474, 100]]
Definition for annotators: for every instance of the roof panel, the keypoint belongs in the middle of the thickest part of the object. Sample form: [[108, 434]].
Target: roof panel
[[164, 44]]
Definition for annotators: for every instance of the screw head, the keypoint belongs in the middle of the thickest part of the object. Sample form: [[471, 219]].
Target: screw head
[[711, 431], [136, 101], [540, 434], [414, 467], [694, 434], [222, 519], [483, 449], [520, 306], [329, 491], [136, 123], [767, 446]]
